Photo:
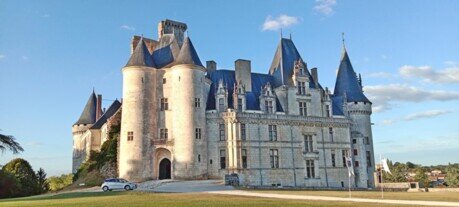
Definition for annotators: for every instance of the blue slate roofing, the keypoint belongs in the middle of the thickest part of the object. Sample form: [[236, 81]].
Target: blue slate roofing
[[141, 56], [283, 64], [109, 113], [88, 116], [229, 78], [346, 81], [337, 105], [188, 54], [163, 56]]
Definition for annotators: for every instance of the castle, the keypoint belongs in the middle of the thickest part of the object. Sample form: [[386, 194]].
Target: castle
[[183, 120]]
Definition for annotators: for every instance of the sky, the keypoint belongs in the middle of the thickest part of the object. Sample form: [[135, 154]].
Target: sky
[[53, 53]]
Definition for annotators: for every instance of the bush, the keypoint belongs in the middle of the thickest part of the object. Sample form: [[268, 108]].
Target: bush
[[59, 182], [9, 186], [24, 175]]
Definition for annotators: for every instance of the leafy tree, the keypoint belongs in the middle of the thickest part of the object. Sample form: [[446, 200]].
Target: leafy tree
[[10, 143], [410, 165], [24, 174], [9, 186], [59, 182], [421, 177], [452, 175], [42, 182], [399, 172]]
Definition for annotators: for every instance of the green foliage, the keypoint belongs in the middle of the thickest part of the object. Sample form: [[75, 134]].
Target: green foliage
[[398, 170], [9, 185], [42, 182], [24, 174], [59, 182], [452, 175], [10, 143], [422, 177]]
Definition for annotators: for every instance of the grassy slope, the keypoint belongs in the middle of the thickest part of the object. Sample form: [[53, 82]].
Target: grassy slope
[[437, 196], [161, 199]]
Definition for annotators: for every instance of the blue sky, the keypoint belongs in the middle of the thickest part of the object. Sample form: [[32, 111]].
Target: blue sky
[[52, 54]]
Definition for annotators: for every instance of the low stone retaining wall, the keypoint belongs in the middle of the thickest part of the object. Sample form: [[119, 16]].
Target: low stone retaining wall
[[443, 189]]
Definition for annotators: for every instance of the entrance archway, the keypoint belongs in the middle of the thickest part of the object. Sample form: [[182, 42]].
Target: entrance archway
[[165, 169]]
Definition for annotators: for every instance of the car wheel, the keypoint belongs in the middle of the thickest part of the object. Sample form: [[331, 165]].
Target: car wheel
[[127, 187], [105, 188]]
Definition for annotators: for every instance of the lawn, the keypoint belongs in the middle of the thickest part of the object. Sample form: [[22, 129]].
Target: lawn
[[437, 196], [161, 199]]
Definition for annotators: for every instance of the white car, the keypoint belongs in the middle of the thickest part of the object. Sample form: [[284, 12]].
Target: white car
[[117, 183]]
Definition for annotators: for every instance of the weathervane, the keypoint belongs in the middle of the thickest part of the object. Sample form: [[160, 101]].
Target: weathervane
[[342, 37]]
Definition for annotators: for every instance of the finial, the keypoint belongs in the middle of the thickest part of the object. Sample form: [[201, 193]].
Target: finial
[[342, 37], [93, 90], [281, 33], [290, 35]]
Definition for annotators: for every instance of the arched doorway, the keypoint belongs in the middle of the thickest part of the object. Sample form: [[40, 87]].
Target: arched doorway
[[165, 169]]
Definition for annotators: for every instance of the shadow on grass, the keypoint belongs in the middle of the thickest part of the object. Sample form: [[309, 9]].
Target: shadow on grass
[[64, 196]]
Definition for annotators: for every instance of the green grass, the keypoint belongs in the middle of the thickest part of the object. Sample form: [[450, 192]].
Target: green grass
[[162, 199], [430, 196]]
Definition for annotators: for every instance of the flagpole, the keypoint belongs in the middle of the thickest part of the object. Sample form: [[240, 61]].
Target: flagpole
[[350, 196], [382, 171]]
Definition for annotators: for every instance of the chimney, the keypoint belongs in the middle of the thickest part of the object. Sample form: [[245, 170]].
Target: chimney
[[211, 66], [315, 78], [243, 73], [99, 107]]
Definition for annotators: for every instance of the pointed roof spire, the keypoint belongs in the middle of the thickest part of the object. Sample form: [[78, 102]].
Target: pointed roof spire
[[141, 56], [88, 116], [347, 83], [188, 54]]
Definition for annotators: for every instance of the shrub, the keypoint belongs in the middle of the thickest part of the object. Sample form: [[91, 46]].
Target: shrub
[[24, 175], [59, 182]]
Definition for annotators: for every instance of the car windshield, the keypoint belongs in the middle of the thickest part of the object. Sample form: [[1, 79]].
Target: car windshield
[[123, 181]]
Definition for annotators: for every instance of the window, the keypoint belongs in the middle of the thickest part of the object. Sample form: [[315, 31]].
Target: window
[[130, 136], [356, 152], [274, 158], [239, 104], [330, 134], [368, 158], [163, 133], [199, 158], [222, 159], [367, 140], [327, 110], [164, 81], [303, 108], [164, 104], [333, 159], [272, 131], [269, 107], [221, 104], [308, 144], [244, 158], [197, 102], [310, 169], [354, 141], [243, 133], [356, 163], [221, 129], [197, 134], [301, 88], [344, 154]]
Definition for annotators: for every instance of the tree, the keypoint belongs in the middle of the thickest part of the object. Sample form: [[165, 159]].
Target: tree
[[422, 177], [452, 175], [42, 182], [9, 186], [24, 174], [410, 165], [10, 143], [59, 182], [398, 171]]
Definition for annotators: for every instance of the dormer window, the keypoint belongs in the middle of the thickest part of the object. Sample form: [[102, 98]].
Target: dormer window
[[239, 104], [269, 106], [221, 104], [301, 87]]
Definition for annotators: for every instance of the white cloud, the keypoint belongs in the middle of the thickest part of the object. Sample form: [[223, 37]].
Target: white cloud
[[281, 21], [449, 141], [384, 96], [379, 75], [387, 122], [127, 27], [426, 114], [325, 6], [428, 74]]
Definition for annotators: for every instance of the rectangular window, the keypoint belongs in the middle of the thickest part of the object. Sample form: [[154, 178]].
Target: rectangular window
[[272, 131], [269, 107], [221, 129], [367, 140], [244, 158], [222, 159], [368, 158], [198, 133], [330, 134], [308, 144], [356, 152], [327, 111], [164, 81], [164, 104], [301, 88], [243, 133], [310, 173], [163, 133], [354, 141], [130, 136], [239, 104], [221, 104], [197, 102], [303, 108], [274, 155], [344, 154], [333, 159], [356, 163]]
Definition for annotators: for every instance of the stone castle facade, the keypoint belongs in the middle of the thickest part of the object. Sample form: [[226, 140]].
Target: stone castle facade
[[182, 120]]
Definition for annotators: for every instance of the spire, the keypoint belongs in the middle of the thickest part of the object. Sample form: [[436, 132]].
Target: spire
[[88, 116], [346, 82], [188, 54], [141, 56]]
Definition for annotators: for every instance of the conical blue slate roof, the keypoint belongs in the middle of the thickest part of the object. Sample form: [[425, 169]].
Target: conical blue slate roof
[[346, 81], [141, 56], [109, 113], [88, 116], [188, 54]]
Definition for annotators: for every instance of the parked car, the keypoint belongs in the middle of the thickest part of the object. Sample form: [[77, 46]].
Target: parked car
[[117, 183]]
